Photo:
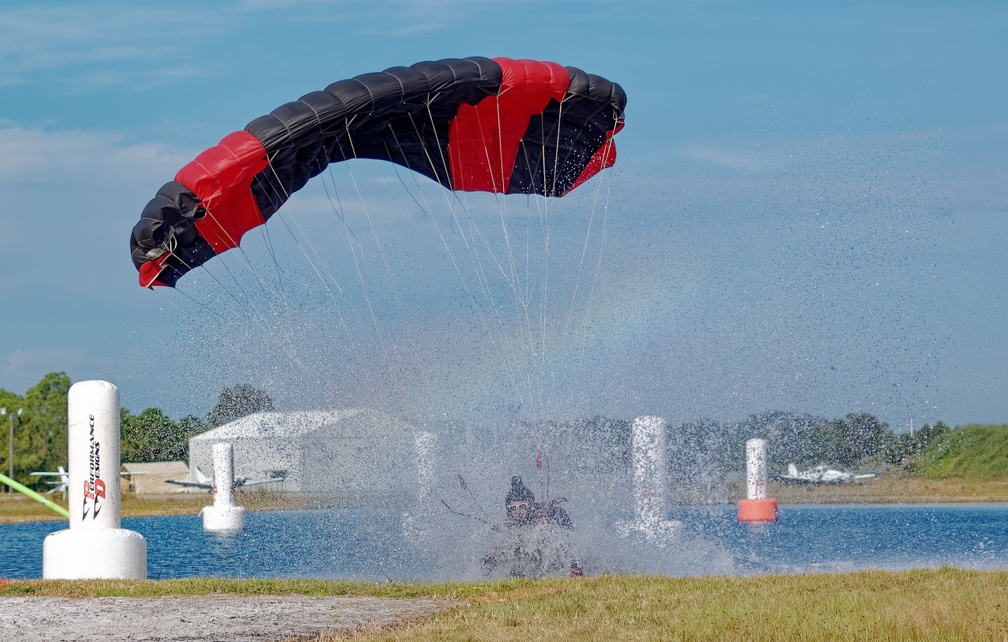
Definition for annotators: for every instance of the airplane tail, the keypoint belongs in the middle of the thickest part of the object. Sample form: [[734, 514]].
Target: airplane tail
[[792, 470], [202, 477]]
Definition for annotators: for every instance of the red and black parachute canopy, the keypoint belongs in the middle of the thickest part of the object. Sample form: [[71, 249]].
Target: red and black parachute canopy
[[472, 124]]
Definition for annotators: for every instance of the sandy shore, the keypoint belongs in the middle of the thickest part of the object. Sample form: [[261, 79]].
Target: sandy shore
[[199, 618]]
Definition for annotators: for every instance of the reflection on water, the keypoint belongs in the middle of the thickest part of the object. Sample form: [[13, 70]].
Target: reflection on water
[[369, 544]]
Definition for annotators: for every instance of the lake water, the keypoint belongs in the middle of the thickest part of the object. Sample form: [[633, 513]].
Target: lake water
[[377, 545]]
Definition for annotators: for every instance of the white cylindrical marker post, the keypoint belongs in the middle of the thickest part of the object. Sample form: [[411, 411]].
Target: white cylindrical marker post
[[648, 446], [757, 507], [224, 515], [94, 547]]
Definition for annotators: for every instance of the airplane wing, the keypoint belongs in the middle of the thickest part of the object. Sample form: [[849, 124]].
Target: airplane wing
[[63, 473], [791, 479], [190, 484], [241, 481]]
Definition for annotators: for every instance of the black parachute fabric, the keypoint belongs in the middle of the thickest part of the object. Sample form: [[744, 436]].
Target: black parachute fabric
[[472, 124]]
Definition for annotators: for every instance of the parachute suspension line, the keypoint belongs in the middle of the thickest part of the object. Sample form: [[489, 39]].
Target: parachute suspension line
[[352, 239], [256, 319], [434, 167], [224, 287], [467, 243], [286, 196], [259, 317], [205, 308], [241, 251], [426, 209], [588, 232], [505, 355], [598, 261], [539, 346], [281, 214], [556, 157], [584, 250], [367, 213], [495, 330], [522, 296], [320, 261]]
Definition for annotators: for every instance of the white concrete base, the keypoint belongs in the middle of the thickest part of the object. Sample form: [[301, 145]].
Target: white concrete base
[[227, 518], [94, 554]]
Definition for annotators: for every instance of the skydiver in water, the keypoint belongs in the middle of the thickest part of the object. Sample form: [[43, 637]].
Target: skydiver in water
[[524, 512], [522, 509]]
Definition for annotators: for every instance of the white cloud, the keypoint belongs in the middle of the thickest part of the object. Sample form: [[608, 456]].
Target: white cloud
[[75, 157], [43, 38]]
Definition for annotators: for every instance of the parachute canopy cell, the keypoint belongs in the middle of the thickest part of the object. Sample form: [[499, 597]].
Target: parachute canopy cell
[[473, 124]]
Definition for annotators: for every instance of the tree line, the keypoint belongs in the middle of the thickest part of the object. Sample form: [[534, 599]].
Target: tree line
[[706, 451], [40, 433], [697, 450]]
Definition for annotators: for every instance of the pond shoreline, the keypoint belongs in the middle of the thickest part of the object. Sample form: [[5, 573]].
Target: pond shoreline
[[887, 489]]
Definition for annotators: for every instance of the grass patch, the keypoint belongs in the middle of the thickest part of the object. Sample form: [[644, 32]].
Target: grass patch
[[941, 604], [975, 451], [930, 604], [16, 508]]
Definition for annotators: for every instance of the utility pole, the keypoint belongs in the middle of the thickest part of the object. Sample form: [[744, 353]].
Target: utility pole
[[10, 442]]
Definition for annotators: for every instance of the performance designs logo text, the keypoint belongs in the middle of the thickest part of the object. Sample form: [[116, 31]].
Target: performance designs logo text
[[94, 486]]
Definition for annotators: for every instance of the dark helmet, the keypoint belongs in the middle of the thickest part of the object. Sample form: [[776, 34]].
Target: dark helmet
[[519, 492]]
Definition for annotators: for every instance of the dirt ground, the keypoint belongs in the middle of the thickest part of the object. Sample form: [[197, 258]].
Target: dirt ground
[[198, 618]]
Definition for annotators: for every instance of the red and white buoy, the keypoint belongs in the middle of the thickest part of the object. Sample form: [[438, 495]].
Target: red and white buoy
[[757, 507], [224, 516], [94, 547]]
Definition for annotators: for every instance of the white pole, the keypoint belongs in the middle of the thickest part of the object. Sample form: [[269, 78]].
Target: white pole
[[224, 516], [223, 472], [648, 442], [756, 469], [757, 507], [648, 448]]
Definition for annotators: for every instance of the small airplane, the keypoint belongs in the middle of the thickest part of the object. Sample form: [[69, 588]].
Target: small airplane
[[206, 482], [819, 475], [58, 486]]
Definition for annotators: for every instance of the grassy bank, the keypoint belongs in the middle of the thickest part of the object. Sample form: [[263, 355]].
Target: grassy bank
[[17, 508], [933, 604], [889, 489]]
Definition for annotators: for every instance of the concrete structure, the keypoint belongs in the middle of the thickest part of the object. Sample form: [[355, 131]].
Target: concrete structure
[[94, 547], [351, 456], [151, 478]]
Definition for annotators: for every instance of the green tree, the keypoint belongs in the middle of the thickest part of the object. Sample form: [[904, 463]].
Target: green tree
[[40, 439], [237, 402], [865, 436], [153, 436]]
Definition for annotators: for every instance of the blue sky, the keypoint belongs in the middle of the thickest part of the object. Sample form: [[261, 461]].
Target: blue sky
[[809, 212]]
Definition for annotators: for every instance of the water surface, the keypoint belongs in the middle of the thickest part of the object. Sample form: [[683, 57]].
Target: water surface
[[370, 544]]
